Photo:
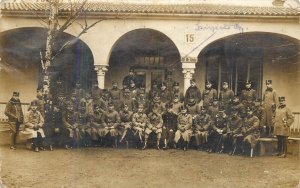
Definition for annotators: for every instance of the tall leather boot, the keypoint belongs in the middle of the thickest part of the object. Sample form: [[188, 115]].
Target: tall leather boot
[[157, 145], [145, 145], [284, 148]]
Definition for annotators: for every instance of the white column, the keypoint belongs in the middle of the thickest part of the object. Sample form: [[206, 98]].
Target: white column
[[101, 70], [188, 66]]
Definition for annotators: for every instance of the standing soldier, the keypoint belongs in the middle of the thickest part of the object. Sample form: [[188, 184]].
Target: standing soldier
[[176, 92], [208, 94], [282, 122], [193, 109], [96, 122], [139, 121], [225, 97], [13, 111], [169, 81], [40, 102], [219, 131], [169, 125], [34, 122], [165, 94], [154, 91], [154, 125], [250, 131], [133, 90], [96, 91], [184, 127], [234, 136], [202, 127], [248, 95], [115, 94], [192, 92], [111, 123], [269, 105], [129, 78], [126, 124]]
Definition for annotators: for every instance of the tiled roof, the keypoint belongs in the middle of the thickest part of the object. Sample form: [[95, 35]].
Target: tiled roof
[[197, 9]]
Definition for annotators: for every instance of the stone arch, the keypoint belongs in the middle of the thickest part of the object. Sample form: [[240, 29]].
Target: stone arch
[[20, 51], [257, 56], [144, 42]]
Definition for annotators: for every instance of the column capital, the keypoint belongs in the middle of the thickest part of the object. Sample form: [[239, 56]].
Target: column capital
[[100, 69], [188, 73]]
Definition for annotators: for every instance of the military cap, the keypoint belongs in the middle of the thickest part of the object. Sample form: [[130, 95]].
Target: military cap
[[208, 82], [126, 90], [268, 81], [141, 106], [110, 104], [176, 84], [16, 94], [114, 83], [131, 70], [169, 105], [282, 98], [248, 82], [225, 83], [34, 103], [182, 107]]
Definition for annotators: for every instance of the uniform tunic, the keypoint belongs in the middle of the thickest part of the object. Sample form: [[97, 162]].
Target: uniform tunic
[[248, 97], [208, 95], [202, 128], [116, 97], [126, 121], [192, 92], [139, 121], [165, 96], [251, 130], [283, 114], [154, 124], [269, 102], [112, 121], [184, 127], [225, 98], [31, 120], [169, 125], [13, 111], [97, 126]]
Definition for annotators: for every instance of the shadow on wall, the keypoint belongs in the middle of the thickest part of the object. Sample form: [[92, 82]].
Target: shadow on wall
[[24, 81]]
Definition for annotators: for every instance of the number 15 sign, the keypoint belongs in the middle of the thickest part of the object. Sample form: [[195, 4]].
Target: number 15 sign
[[190, 38]]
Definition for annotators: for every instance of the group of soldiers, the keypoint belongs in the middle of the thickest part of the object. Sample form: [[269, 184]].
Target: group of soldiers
[[164, 117]]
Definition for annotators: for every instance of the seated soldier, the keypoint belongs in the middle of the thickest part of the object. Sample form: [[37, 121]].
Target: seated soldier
[[83, 126], [213, 108], [236, 105], [54, 129], [125, 129], [111, 122], [69, 121], [157, 105], [139, 121], [154, 125], [184, 127], [169, 125], [202, 126], [96, 122], [34, 122], [250, 131], [219, 131], [234, 136]]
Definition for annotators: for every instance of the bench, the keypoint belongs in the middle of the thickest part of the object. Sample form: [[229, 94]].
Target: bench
[[268, 146]]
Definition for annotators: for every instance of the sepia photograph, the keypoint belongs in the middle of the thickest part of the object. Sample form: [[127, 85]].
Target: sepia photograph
[[149, 93]]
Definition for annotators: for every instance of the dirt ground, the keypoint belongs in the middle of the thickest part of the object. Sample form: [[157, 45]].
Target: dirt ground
[[105, 167]]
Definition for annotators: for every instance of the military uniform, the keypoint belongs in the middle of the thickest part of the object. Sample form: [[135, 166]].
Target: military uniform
[[250, 130], [239, 107], [219, 131], [184, 128], [225, 98], [13, 111], [282, 122], [111, 122], [116, 94], [192, 92], [169, 125], [248, 97], [139, 121], [126, 124], [234, 135], [176, 92], [157, 105], [97, 126], [208, 95], [83, 129], [269, 105], [34, 122], [154, 125], [69, 121], [202, 129], [176, 107], [165, 96]]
